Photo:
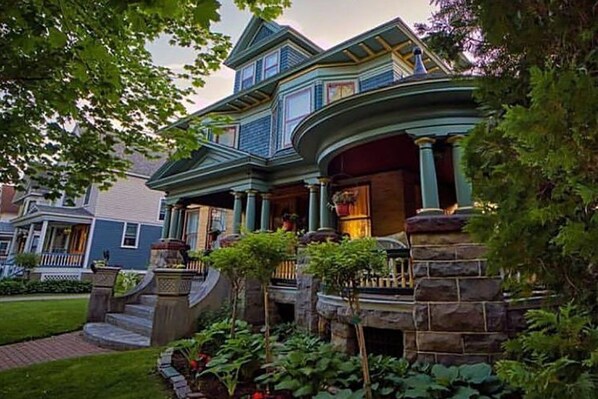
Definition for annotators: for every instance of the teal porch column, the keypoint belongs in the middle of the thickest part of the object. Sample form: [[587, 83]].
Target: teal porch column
[[180, 222], [324, 214], [166, 225], [427, 175], [237, 211], [462, 186], [313, 207], [265, 220], [250, 210], [174, 222]]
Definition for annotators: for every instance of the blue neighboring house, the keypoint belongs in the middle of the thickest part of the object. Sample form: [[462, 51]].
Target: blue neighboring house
[[70, 233]]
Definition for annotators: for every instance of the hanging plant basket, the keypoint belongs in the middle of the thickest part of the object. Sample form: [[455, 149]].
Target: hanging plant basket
[[288, 225], [342, 209]]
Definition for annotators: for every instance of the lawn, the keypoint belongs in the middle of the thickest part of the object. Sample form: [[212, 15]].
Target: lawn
[[24, 320], [122, 375]]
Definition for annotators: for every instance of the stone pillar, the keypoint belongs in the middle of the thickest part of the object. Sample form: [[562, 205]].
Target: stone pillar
[[265, 220], [459, 312], [42, 237], [462, 186], [237, 210], [427, 175], [306, 300], [343, 337], [174, 222], [165, 254], [252, 303], [324, 213], [102, 290], [313, 207], [166, 225], [250, 210]]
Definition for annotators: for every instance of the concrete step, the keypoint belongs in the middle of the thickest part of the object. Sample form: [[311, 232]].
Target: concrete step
[[148, 300], [112, 337], [143, 311], [135, 324]]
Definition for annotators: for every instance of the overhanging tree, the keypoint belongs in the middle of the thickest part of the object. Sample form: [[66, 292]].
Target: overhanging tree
[[533, 161], [77, 61]]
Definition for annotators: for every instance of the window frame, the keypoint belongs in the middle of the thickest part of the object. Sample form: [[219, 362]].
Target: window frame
[[286, 141], [276, 66], [122, 240], [160, 207], [241, 79], [8, 242], [333, 83], [195, 234], [216, 137]]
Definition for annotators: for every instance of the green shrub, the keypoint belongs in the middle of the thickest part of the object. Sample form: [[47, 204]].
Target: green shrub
[[22, 287], [28, 260], [209, 317], [126, 281]]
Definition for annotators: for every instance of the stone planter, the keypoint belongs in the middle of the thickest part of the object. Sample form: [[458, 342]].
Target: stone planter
[[173, 282], [105, 277]]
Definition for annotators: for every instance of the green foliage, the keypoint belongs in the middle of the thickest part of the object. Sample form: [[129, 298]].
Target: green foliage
[[126, 281], [28, 260], [212, 316], [557, 357], [21, 287], [65, 61]]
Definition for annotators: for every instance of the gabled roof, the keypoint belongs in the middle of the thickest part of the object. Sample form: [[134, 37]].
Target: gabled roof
[[260, 35]]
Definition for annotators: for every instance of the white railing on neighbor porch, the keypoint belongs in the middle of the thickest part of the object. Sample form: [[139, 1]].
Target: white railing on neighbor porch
[[62, 260]]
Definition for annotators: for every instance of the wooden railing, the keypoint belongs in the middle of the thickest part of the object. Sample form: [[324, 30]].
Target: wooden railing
[[399, 280], [286, 273], [61, 260], [199, 266]]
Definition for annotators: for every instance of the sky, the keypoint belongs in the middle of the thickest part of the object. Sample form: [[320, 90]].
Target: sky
[[325, 22]]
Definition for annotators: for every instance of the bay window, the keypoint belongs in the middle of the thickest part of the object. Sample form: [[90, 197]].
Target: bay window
[[271, 65], [296, 107]]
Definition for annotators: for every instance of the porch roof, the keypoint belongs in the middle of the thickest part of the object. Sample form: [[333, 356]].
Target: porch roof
[[40, 213]]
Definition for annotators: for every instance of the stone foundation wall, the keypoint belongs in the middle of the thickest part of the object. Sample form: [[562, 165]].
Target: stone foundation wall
[[459, 313]]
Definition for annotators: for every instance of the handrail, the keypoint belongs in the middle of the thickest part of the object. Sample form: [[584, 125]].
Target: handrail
[[62, 260]]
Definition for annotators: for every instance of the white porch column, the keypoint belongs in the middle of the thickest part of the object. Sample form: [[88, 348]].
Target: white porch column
[[29, 238], [13, 243], [42, 237]]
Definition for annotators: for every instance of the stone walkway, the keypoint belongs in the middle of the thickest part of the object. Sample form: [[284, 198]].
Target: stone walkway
[[43, 350], [18, 298]]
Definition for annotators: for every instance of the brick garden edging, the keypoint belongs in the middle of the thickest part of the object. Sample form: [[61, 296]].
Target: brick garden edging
[[176, 380]]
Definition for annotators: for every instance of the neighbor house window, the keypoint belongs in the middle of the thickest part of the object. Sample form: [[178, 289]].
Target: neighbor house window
[[271, 65], [247, 76], [30, 205], [130, 235], [192, 226], [296, 107], [337, 90], [4, 247], [227, 136], [162, 209]]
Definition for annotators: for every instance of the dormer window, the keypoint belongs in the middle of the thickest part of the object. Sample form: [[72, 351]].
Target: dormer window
[[227, 136], [271, 63], [247, 76]]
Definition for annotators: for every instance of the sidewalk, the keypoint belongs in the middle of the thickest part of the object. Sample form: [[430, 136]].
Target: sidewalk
[[43, 350], [41, 297]]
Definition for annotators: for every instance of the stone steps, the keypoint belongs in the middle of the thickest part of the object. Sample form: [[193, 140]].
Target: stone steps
[[113, 337], [132, 323], [143, 311], [148, 300]]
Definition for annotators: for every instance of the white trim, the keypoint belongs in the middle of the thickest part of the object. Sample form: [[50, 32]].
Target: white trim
[[278, 60], [122, 240], [92, 228], [236, 140], [282, 144], [160, 209], [157, 224], [327, 83]]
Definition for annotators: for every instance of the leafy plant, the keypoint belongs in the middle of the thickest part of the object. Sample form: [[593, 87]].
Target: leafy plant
[[344, 197], [341, 267], [557, 357], [28, 260], [126, 281]]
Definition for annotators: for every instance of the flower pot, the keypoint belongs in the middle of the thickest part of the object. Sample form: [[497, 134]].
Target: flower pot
[[173, 282], [288, 225], [105, 277], [342, 209]]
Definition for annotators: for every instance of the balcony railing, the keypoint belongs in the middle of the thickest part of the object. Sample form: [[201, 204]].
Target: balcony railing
[[61, 260], [199, 266], [286, 273]]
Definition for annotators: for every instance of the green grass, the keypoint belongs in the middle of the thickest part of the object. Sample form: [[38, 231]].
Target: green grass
[[20, 321], [123, 375]]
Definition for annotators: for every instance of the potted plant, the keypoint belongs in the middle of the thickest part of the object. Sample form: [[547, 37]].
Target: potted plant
[[342, 201], [28, 261], [288, 221], [174, 280]]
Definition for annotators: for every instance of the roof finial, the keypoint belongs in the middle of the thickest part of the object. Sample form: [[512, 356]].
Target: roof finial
[[419, 68]]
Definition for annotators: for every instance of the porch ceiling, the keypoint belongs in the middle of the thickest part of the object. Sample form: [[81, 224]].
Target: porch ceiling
[[430, 106]]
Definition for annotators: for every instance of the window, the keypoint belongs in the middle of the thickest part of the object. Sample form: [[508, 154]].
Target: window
[[67, 201], [247, 76], [191, 229], [218, 220], [336, 91], [162, 209], [296, 107], [87, 196], [358, 223], [227, 136], [270, 65], [130, 235], [4, 247]]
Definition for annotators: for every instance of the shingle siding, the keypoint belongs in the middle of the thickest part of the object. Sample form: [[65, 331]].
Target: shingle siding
[[319, 96], [382, 79], [107, 235], [263, 33], [254, 137], [289, 57], [237, 81]]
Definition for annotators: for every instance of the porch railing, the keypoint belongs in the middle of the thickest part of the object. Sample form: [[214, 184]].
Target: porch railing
[[286, 273], [199, 266], [399, 280], [62, 260]]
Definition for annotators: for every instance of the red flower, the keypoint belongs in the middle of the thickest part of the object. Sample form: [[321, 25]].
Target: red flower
[[193, 365], [258, 395]]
